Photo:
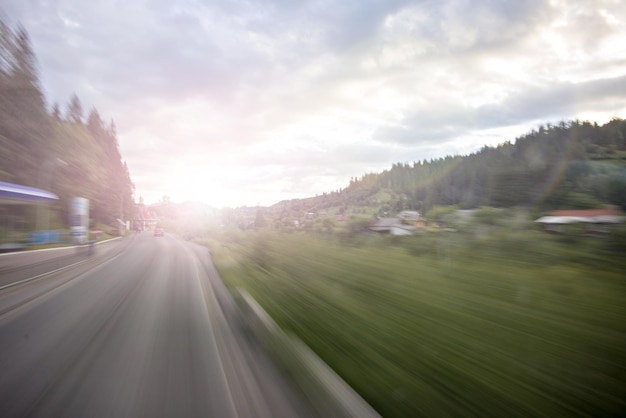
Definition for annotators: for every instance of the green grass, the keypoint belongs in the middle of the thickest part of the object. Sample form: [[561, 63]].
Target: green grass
[[515, 324]]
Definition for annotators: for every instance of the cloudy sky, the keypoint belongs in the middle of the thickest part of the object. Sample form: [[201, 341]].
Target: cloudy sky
[[235, 102]]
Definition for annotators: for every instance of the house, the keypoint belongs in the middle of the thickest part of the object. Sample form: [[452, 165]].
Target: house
[[598, 220], [384, 224], [413, 218], [393, 226], [410, 215], [402, 229]]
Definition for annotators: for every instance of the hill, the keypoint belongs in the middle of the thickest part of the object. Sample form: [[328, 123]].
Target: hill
[[573, 164]]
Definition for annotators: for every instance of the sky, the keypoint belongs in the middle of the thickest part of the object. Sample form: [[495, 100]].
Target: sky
[[234, 103]]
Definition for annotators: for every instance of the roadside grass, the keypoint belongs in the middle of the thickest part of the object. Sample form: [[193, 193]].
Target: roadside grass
[[517, 323]]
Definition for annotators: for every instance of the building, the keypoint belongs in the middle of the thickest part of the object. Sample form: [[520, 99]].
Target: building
[[597, 220]]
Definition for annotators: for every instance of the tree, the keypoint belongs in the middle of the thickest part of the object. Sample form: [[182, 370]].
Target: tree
[[55, 111], [115, 194], [260, 221], [33, 139], [24, 121], [75, 110]]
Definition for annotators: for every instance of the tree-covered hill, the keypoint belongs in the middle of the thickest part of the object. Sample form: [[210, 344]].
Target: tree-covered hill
[[569, 165], [68, 154]]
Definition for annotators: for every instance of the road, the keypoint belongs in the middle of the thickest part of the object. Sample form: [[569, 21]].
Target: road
[[141, 328]]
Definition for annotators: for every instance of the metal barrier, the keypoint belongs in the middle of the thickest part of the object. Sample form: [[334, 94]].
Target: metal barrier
[[326, 390]]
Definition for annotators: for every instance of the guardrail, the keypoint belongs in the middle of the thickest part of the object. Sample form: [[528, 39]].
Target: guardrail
[[325, 389]]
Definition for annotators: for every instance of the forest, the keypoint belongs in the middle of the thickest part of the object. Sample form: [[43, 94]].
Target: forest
[[70, 152], [575, 165]]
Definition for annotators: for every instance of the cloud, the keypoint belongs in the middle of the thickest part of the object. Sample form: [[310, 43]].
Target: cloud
[[300, 96], [433, 125], [566, 98]]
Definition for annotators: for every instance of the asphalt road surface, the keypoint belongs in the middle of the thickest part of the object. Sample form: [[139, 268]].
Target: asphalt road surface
[[141, 328]]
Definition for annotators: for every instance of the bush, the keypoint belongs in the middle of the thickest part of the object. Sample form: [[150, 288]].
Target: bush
[[489, 216], [438, 213], [617, 240], [258, 250], [355, 227], [421, 245], [581, 201]]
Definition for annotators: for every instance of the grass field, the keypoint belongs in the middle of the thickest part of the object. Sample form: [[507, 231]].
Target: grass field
[[516, 324]]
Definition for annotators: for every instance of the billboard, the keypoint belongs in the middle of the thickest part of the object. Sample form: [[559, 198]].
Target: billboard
[[79, 220]]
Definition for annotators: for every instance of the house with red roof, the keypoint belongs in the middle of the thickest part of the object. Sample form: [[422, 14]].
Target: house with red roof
[[598, 220]]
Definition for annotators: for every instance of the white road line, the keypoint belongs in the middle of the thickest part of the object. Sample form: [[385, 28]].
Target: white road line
[[42, 275], [15, 253], [20, 307]]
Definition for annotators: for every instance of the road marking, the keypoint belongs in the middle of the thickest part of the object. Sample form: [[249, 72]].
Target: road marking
[[54, 248], [42, 275], [60, 268], [12, 310]]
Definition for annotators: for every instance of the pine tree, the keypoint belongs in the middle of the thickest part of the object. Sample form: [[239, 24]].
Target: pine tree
[[24, 121], [75, 110], [55, 112]]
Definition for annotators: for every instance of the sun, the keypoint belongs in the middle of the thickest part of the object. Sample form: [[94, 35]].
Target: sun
[[222, 185], [203, 184]]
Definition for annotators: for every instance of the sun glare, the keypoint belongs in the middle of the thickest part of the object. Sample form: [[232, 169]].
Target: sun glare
[[217, 186], [197, 184]]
